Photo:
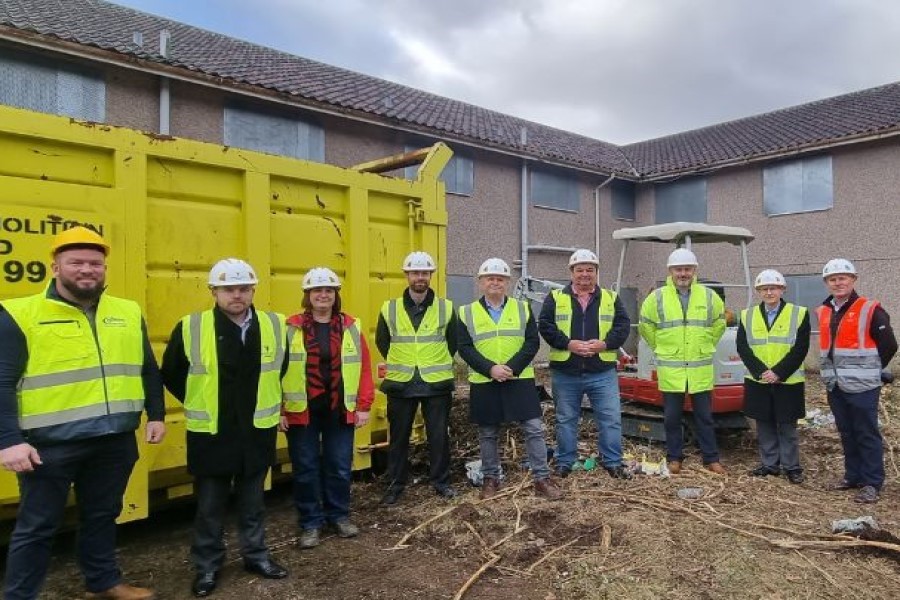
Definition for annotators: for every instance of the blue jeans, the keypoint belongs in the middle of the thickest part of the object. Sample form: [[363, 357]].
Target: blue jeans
[[535, 448], [856, 417], [321, 457], [99, 469], [602, 390], [704, 427]]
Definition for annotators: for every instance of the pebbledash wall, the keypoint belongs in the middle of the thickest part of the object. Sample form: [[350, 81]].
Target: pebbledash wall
[[861, 224]]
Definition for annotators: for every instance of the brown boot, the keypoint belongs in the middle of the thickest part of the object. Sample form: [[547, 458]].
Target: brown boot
[[717, 468], [675, 467], [123, 591], [489, 488], [547, 489]]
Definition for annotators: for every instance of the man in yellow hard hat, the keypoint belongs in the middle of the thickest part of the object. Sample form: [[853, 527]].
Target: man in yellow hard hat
[[76, 372]]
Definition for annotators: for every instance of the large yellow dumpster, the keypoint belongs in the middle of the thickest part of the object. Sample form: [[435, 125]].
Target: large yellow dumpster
[[170, 208]]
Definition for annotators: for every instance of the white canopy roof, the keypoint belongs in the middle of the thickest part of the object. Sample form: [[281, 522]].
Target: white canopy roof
[[700, 233]]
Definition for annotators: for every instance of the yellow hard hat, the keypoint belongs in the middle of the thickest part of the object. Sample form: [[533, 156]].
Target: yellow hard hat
[[78, 236]]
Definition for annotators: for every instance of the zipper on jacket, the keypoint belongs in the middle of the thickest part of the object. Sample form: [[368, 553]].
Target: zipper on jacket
[[93, 324]]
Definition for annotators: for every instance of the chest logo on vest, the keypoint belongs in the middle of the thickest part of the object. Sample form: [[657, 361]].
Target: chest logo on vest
[[114, 322]]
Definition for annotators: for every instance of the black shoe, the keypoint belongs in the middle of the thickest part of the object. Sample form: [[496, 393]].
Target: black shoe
[[563, 472], [619, 472], [391, 496], [763, 471], [446, 492], [266, 568], [796, 477], [204, 583]]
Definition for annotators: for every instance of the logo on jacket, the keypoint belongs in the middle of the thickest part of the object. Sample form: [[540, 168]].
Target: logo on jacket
[[114, 322]]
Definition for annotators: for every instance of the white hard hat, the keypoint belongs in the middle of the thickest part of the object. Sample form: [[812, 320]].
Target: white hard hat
[[232, 271], [682, 257], [321, 277], [418, 261], [494, 266], [583, 257], [769, 277], [838, 266]]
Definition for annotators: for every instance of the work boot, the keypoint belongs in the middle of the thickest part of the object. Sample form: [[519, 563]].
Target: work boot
[[868, 494], [675, 467], [489, 488], [547, 489], [796, 476], [717, 468], [204, 583], [445, 491], [391, 496], [619, 472], [346, 529], [123, 591], [309, 538], [763, 471]]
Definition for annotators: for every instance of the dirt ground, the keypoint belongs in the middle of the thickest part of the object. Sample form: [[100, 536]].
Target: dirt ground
[[744, 538]]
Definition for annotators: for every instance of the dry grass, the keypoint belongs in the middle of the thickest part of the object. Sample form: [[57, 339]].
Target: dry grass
[[745, 538]]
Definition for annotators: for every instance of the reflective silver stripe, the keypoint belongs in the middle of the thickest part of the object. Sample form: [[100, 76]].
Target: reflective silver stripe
[[682, 323], [791, 336], [351, 359], [752, 314], [710, 317], [61, 417], [648, 321], [468, 320], [351, 398], [197, 366], [397, 368], [442, 315], [267, 412], [498, 333], [430, 338], [399, 339], [392, 319], [660, 308], [436, 368], [279, 350], [294, 396], [297, 356], [863, 322], [562, 317], [684, 363], [606, 318], [860, 352], [35, 382], [197, 415], [354, 335]]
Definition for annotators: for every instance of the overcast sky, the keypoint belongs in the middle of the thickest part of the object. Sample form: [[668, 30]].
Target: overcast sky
[[616, 70]]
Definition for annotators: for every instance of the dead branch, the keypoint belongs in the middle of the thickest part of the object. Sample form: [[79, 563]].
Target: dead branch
[[532, 566], [494, 558], [402, 543], [818, 568], [476, 534]]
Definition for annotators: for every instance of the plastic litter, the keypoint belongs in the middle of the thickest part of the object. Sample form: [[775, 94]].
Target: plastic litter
[[690, 493], [817, 418], [476, 477], [856, 525]]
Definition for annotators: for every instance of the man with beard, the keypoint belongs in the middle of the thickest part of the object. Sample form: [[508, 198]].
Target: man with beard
[[415, 334], [682, 322], [76, 371], [225, 364]]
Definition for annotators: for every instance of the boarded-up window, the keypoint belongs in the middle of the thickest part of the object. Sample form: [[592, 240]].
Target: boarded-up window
[[54, 87], [555, 189], [274, 134], [623, 200], [683, 200], [808, 291], [798, 186]]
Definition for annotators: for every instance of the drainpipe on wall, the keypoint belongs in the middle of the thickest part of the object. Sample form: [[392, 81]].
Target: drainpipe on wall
[[597, 212], [164, 93], [523, 140]]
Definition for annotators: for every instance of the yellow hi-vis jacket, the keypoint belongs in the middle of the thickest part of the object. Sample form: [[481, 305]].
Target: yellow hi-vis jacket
[[684, 343], [201, 398], [77, 374], [606, 310], [770, 346], [424, 349], [294, 382], [499, 341]]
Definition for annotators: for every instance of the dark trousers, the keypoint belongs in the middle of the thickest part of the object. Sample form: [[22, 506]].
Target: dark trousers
[[401, 413], [321, 458], [779, 445], [99, 469], [856, 417], [704, 428], [208, 547]]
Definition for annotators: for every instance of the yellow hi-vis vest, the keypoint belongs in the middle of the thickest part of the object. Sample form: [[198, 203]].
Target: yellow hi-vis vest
[[684, 343], [424, 349], [201, 398], [497, 342], [606, 310], [77, 373], [772, 345], [294, 382]]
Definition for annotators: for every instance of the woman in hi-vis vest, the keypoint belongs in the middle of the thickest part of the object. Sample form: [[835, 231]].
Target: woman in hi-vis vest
[[328, 391]]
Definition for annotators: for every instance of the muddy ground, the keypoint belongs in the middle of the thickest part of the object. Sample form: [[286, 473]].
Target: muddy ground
[[744, 538]]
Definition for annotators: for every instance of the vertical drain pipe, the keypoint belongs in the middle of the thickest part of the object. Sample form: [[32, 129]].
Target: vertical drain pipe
[[165, 99], [523, 140], [597, 212]]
